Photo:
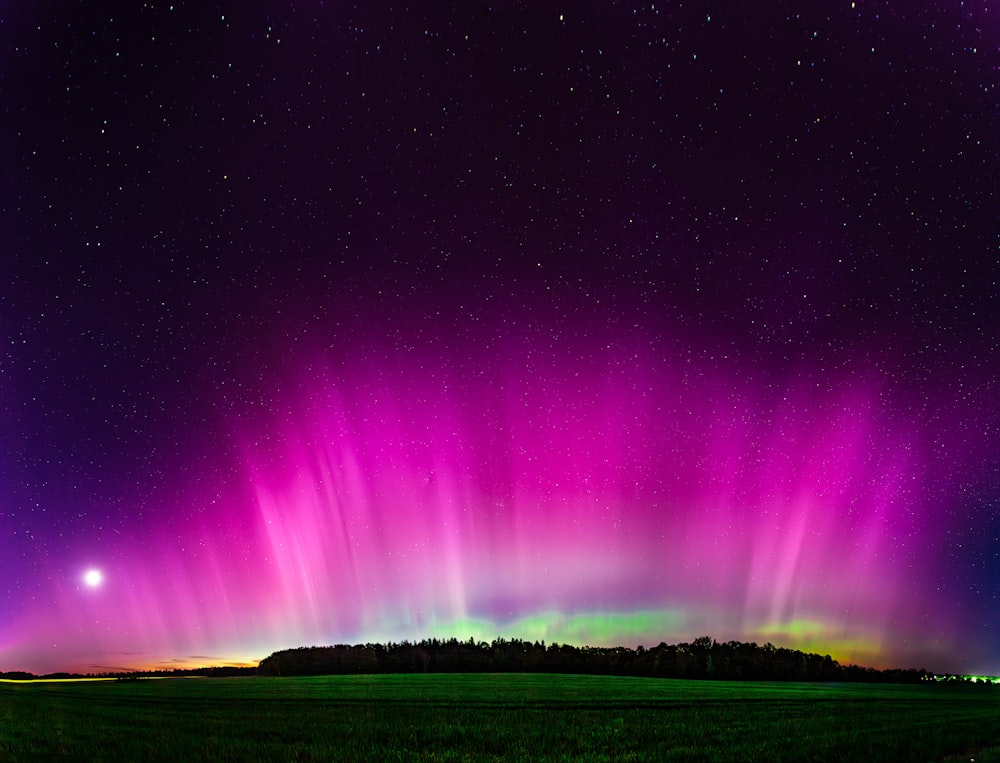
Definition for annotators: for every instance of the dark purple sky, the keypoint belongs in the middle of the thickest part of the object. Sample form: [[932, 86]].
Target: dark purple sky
[[326, 323]]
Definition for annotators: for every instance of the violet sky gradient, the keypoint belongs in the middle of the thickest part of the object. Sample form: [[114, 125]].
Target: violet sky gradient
[[593, 324]]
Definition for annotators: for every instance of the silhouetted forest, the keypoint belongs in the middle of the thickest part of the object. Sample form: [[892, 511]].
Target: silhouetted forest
[[704, 658]]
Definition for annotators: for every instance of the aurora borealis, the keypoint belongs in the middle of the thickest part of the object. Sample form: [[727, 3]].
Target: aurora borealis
[[337, 324]]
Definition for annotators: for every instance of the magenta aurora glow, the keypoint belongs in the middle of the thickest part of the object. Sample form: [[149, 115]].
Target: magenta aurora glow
[[597, 497], [338, 325]]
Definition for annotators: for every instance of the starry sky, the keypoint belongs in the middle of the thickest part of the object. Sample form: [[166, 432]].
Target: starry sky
[[594, 323]]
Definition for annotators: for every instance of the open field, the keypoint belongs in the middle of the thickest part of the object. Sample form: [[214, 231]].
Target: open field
[[470, 717]]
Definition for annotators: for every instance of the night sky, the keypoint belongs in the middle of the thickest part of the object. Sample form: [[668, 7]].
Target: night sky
[[331, 323]]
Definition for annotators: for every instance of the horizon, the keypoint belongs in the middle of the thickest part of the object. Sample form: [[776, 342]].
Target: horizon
[[193, 663], [328, 324]]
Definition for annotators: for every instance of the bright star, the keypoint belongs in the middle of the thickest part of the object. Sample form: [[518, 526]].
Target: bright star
[[92, 578]]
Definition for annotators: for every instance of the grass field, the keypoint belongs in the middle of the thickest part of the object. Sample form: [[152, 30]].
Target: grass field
[[467, 717]]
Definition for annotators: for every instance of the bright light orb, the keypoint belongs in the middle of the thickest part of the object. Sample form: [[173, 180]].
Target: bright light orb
[[92, 578]]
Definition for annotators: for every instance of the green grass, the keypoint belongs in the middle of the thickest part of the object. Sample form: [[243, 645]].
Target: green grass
[[525, 717]]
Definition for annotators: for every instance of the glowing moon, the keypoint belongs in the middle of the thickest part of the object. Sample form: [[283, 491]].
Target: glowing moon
[[92, 578]]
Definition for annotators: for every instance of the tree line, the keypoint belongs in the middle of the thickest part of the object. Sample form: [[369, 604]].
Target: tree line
[[704, 658]]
